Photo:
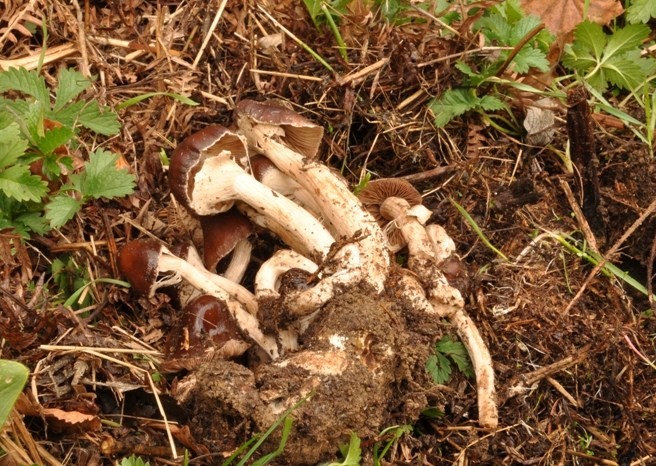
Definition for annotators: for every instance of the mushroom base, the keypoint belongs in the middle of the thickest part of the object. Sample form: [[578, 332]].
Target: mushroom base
[[356, 365]]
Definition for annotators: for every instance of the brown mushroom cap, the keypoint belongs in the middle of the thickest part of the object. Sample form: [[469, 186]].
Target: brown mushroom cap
[[221, 233], [138, 261], [191, 153], [375, 193], [206, 330], [300, 134]]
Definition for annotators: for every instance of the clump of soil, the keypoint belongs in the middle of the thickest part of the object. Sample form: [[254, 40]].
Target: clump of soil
[[355, 366]]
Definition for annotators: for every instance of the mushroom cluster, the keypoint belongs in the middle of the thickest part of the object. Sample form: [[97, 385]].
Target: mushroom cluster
[[265, 176]]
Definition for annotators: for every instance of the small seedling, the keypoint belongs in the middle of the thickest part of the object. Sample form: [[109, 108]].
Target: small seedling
[[352, 453], [472, 223], [133, 461], [396, 433], [446, 352]]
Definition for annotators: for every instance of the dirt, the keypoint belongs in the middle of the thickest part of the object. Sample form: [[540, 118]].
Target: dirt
[[572, 381], [356, 372]]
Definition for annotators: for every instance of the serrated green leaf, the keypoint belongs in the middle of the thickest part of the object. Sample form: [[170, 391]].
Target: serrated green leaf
[[102, 121], [529, 57], [622, 72], [641, 11], [453, 103], [12, 145], [70, 84], [457, 352], [522, 27], [53, 139], [27, 82], [101, 178], [491, 103], [30, 222], [18, 183], [61, 209], [439, 368], [589, 38], [13, 377], [626, 39]]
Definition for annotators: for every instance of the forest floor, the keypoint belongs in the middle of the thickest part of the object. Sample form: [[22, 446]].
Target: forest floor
[[568, 343]]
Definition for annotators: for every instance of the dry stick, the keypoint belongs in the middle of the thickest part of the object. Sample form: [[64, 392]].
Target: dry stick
[[82, 39], [583, 222], [651, 209], [169, 435], [433, 172], [363, 72], [208, 36]]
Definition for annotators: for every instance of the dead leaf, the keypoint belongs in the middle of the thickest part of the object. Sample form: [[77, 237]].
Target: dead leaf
[[562, 16], [70, 421], [539, 123]]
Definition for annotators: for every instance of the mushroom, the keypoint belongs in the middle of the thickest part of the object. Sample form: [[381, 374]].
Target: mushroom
[[291, 142], [142, 261], [265, 171], [205, 177], [223, 234], [446, 301], [206, 330], [377, 191]]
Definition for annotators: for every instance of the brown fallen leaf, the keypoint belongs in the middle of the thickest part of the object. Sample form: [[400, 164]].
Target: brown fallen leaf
[[562, 16], [70, 421]]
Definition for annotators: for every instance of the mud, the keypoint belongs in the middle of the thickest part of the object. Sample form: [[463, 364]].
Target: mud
[[355, 367]]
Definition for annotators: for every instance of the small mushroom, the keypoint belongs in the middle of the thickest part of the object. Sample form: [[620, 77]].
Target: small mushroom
[[291, 142], [205, 177], [446, 302], [223, 234], [206, 330], [378, 191], [142, 261]]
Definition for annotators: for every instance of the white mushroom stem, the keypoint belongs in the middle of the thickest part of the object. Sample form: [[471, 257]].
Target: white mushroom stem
[[338, 204], [284, 184], [267, 279], [233, 294], [223, 180], [443, 246], [239, 259], [304, 303], [446, 302], [267, 283]]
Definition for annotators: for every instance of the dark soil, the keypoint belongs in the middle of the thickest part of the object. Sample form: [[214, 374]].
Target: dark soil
[[573, 387]]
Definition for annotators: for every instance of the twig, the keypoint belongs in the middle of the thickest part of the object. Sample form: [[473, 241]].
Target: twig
[[169, 435], [209, 34], [363, 72], [634, 226], [82, 38], [583, 222], [416, 177]]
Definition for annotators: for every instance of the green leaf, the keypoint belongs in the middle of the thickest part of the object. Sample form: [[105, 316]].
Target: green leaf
[[589, 39], [352, 454], [101, 178], [453, 103], [54, 139], [626, 39], [70, 84], [102, 121], [26, 82], [61, 209], [641, 11], [529, 57], [439, 368], [13, 377], [491, 103], [134, 461], [18, 183], [457, 352], [12, 145]]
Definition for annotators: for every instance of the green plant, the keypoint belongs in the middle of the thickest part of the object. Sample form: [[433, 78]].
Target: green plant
[[446, 352], [13, 377], [329, 12], [133, 461], [472, 223], [640, 11], [520, 44], [600, 59], [396, 433], [352, 453], [43, 181]]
